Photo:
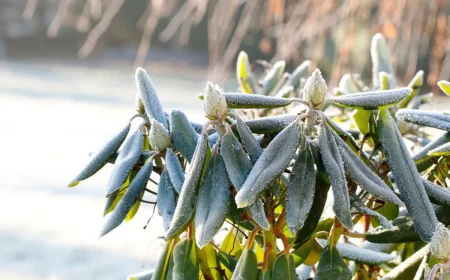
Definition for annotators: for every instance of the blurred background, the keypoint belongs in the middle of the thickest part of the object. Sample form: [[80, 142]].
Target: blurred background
[[67, 84]]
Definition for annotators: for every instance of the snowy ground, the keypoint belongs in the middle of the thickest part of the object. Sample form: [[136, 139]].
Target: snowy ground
[[51, 116]]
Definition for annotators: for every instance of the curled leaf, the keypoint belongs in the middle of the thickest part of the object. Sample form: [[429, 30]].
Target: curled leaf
[[187, 200], [128, 156], [334, 167], [150, 98], [100, 158], [270, 164], [184, 137], [372, 100], [213, 201], [254, 101], [135, 189], [420, 117], [174, 169], [166, 199]]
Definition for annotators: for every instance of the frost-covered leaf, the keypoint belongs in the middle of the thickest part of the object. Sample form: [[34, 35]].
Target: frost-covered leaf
[[187, 200], [136, 187], [213, 201], [270, 164], [436, 192], [334, 167], [439, 141], [443, 150], [249, 142], [331, 266], [270, 124], [285, 92], [244, 73], [174, 169], [444, 86], [184, 137], [101, 157], [272, 77], [150, 98], [360, 207], [284, 268], [128, 156], [186, 261], [386, 81], [381, 58], [300, 193], [415, 84], [372, 100], [361, 174], [300, 72], [212, 138], [254, 101], [426, 118], [406, 176], [166, 199], [238, 167], [247, 266], [349, 84]]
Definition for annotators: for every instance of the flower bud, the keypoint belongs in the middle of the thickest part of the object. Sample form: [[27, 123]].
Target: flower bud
[[315, 90], [440, 243], [214, 103], [159, 136]]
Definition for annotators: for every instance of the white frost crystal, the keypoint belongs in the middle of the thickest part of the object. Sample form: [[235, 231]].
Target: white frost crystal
[[159, 136], [315, 90], [214, 103], [440, 243]]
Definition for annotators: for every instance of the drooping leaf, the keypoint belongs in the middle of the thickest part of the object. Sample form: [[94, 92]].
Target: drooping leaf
[[174, 169], [270, 124], [367, 211], [254, 101], [244, 73], [213, 201], [136, 187], [128, 156], [187, 200], [161, 269], [249, 142], [407, 178], [444, 86], [372, 100], [101, 157], [209, 264], [186, 261], [426, 118], [247, 266], [270, 164], [436, 192], [284, 268], [184, 137], [300, 193], [150, 98], [238, 167], [334, 167], [361, 174], [166, 199], [422, 158], [443, 150], [331, 266], [272, 77]]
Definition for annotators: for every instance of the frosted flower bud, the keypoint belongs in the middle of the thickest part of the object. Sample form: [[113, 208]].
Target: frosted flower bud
[[159, 136], [315, 90], [214, 103], [440, 243]]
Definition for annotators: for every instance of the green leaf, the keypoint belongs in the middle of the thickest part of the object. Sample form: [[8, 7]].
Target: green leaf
[[215, 188], [244, 73], [403, 231], [444, 86], [254, 101], [150, 98], [186, 261], [408, 268], [247, 266], [407, 178], [209, 264], [361, 119], [331, 266], [388, 210], [308, 253], [184, 137], [113, 199], [416, 83], [101, 157], [184, 211], [270, 164], [372, 100], [137, 186], [161, 269], [284, 268]]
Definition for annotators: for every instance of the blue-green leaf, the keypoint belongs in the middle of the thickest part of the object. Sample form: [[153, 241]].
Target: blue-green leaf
[[166, 199], [184, 137], [175, 170]]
